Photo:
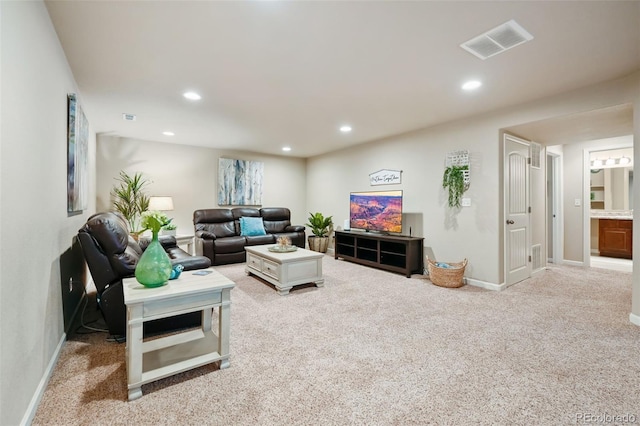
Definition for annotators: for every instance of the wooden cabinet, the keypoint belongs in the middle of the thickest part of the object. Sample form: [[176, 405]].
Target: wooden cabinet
[[615, 238], [388, 252]]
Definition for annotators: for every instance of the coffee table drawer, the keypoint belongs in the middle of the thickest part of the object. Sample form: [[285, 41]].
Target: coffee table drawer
[[254, 262], [267, 267], [270, 268]]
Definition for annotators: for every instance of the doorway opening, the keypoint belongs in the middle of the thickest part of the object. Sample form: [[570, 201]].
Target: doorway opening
[[609, 174]]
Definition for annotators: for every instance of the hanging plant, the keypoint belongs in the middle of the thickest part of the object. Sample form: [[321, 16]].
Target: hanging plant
[[453, 180]]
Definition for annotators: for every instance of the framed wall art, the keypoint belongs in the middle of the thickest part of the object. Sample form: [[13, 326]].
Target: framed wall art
[[77, 153], [240, 182]]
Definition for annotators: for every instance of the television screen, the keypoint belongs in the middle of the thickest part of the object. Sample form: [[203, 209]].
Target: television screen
[[379, 211]]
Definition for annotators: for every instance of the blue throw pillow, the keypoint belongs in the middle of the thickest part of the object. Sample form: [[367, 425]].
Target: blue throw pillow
[[251, 226]]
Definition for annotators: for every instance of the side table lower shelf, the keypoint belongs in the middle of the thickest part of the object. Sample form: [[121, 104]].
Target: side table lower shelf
[[164, 362]]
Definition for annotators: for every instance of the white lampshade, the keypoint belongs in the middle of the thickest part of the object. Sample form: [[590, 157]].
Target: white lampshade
[[160, 203]]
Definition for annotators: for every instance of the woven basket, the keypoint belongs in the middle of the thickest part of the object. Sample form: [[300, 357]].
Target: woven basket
[[447, 277]]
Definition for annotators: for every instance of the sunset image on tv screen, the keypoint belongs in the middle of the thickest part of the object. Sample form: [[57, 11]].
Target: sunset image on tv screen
[[376, 211]]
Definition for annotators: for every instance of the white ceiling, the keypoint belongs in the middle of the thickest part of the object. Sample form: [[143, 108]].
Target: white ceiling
[[276, 73]]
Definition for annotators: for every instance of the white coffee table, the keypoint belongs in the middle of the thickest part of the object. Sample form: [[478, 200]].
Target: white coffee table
[[161, 357], [285, 270]]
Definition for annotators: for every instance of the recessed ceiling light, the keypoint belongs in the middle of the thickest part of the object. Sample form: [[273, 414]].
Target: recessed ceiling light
[[345, 129], [471, 85], [168, 133], [286, 148], [192, 96]]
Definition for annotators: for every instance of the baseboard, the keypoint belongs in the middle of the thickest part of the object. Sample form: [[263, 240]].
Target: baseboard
[[635, 319], [485, 285], [496, 287], [572, 262], [27, 419]]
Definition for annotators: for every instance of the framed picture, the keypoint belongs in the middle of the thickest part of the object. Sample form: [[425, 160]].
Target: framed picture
[[77, 147], [240, 182]]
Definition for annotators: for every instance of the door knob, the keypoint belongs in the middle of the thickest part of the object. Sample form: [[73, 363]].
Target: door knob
[[510, 222]]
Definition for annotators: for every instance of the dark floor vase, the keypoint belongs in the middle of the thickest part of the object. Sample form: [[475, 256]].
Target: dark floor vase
[[319, 244], [154, 267]]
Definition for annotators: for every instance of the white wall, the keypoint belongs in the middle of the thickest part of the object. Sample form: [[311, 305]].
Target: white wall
[[190, 174], [475, 232], [34, 226]]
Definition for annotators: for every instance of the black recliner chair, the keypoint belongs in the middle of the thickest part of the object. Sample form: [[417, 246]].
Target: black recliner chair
[[112, 254]]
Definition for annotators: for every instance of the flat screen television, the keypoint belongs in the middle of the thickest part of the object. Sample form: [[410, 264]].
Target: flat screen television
[[378, 211]]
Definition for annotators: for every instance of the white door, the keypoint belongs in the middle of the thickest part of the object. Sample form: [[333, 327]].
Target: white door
[[516, 202]]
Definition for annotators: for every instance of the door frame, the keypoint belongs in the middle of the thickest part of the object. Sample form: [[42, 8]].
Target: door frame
[[557, 241], [586, 194]]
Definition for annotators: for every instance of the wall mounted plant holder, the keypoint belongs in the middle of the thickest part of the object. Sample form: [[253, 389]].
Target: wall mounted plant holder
[[457, 177]]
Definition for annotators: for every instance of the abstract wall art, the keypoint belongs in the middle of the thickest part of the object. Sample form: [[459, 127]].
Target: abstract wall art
[[77, 156], [240, 182]]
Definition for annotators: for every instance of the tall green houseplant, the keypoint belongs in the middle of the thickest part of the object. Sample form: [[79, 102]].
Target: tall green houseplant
[[130, 200]]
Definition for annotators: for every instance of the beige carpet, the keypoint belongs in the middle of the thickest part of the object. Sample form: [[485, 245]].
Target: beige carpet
[[375, 348]]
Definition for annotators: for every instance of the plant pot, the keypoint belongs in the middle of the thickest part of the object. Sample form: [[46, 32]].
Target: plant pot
[[319, 244], [154, 267]]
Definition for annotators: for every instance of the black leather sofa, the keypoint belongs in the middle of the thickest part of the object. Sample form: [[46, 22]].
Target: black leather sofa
[[218, 234], [112, 254]]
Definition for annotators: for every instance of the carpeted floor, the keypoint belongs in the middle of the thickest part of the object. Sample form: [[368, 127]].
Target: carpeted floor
[[375, 348]]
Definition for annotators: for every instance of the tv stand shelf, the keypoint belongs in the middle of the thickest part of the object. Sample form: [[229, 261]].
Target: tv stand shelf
[[388, 252]]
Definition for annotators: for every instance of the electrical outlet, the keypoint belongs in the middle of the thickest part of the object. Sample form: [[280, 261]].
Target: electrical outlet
[[466, 202]]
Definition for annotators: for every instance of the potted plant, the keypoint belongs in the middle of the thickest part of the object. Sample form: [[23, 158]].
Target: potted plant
[[320, 228], [130, 200], [169, 229], [453, 180]]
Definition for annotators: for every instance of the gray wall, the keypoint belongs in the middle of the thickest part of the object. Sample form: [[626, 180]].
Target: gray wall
[[36, 231], [190, 174]]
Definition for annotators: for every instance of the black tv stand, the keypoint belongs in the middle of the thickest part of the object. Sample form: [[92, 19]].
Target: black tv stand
[[401, 254]]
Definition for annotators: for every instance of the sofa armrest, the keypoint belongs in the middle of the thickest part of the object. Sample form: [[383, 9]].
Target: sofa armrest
[[294, 228], [166, 241], [205, 235]]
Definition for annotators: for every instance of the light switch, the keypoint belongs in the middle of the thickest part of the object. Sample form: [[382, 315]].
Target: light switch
[[466, 202], [577, 202]]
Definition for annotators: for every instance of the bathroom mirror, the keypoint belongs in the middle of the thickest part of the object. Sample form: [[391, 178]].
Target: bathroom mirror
[[612, 179]]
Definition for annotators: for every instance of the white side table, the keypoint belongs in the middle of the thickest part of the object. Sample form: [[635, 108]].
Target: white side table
[[188, 240], [161, 357]]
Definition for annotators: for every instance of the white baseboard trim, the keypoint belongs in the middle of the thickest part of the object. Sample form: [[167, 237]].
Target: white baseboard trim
[[27, 419], [635, 319], [572, 262], [485, 285]]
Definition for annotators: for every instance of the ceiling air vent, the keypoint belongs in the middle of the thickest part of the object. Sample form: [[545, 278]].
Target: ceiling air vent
[[497, 40], [128, 117]]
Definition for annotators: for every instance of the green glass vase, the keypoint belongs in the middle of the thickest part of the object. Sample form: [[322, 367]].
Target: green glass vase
[[154, 267]]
